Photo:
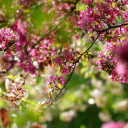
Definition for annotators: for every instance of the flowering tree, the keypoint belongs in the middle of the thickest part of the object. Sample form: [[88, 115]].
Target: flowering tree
[[35, 35]]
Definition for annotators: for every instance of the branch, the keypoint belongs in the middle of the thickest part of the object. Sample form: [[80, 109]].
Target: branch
[[99, 32], [49, 32], [75, 62], [90, 45], [66, 81], [111, 27], [10, 44], [3, 21]]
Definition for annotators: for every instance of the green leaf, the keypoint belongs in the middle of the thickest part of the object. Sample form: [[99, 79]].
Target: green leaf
[[22, 107], [31, 102], [13, 77], [27, 11], [39, 80], [3, 94]]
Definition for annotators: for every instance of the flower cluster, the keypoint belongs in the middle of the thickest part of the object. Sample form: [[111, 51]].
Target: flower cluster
[[101, 16], [7, 38], [15, 92], [54, 83], [18, 50], [65, 60], [114, 61]]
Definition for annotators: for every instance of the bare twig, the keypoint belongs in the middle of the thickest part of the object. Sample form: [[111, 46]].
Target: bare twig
[[25, 79]]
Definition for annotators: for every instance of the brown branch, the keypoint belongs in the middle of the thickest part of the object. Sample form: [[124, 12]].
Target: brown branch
[[111, 27], [9, 45], [99, 32], [3, 21], [90, 45], [75, 62]]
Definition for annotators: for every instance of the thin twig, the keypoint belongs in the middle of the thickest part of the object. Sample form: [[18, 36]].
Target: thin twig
[[48, 33], [66, 81], [110, 27], [90, 45], [25, 79]]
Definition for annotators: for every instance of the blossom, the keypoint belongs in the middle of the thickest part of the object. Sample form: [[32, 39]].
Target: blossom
[[114, 63], [112, 124], [122, 52], [55, 80], [18, 89]]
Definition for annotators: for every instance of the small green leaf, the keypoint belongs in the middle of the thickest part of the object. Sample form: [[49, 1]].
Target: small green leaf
[[3, 94], [39, 80], [26, 10], [31, 102], [22, 107]]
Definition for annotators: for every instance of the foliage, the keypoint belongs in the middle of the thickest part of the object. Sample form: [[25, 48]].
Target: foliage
[[73, 48]]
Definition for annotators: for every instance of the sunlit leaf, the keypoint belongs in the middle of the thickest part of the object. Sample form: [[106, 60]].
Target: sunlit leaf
[[90, 53], [85, 58], [59, 85], [49, 86], [26, 10], [114, 4], [122, 38]]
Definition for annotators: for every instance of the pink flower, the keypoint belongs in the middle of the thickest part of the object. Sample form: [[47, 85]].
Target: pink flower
[[112, 125], [122, 52], [120, 69], [126, 125], [55, 80], [18, 88]]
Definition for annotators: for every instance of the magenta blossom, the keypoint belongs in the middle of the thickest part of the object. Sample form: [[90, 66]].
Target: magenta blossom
[[55, 80], [112, 125], [122, 52], [18, 88]]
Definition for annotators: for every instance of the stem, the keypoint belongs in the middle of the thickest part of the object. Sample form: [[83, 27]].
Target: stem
[[25, 79]]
